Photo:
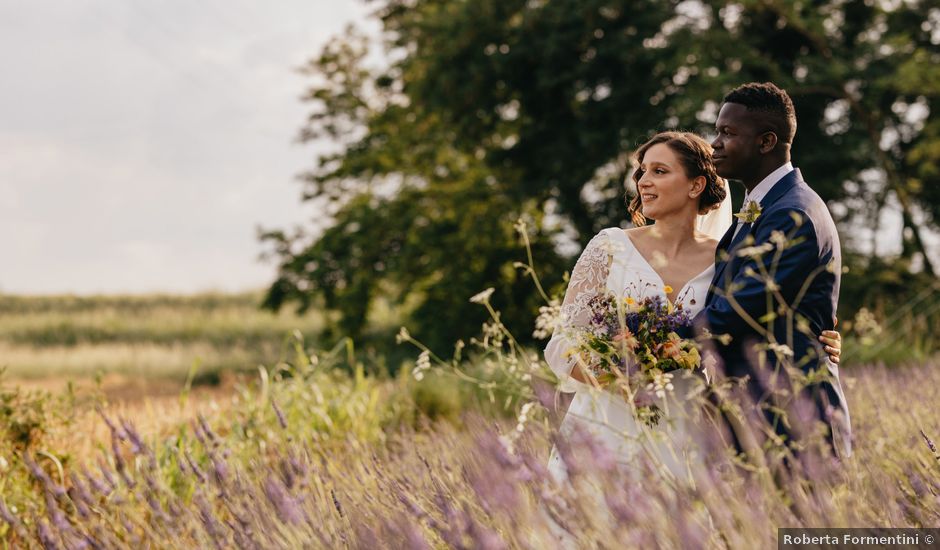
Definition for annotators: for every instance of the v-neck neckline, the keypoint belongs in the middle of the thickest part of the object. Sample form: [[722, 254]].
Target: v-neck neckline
[[660, 277]]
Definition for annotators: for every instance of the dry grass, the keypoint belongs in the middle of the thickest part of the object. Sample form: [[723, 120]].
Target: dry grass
[[323, 458], [324, 479]]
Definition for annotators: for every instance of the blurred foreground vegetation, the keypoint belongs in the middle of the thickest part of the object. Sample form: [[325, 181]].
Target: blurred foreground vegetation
[[313, 456], [325, 447]]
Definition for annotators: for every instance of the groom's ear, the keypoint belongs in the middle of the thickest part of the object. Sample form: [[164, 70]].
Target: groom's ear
[[767, 142]]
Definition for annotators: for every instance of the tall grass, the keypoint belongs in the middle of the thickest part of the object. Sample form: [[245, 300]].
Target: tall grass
[[905, 334], [327, 451], [896, 319], [313, 457], [321, 453]]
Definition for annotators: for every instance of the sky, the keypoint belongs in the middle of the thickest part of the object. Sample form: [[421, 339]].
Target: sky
[[142, 144]]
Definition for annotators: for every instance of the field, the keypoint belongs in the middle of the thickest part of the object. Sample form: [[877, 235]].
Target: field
[[317, 448], [149, 336]]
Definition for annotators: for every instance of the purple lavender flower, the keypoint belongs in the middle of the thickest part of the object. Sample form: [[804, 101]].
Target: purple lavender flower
[[138, 446], [80, 496], [6, 515], [41, 475], [119, 463], [286, 506], [46, 537], [204, 424], [601, 457], [213, 528], [336, 504], [414, 539], [195, 469], [107, 476], [483, 537], [219, 470], [280, 414]]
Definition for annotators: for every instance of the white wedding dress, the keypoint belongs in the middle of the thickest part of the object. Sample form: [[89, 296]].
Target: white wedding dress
[[611, 263]]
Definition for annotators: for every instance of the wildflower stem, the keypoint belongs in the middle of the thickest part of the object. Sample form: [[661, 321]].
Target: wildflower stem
[[58, 465], [422, 347], [530, 267]]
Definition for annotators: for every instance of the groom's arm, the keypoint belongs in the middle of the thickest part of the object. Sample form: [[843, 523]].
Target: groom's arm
[[744, 298]]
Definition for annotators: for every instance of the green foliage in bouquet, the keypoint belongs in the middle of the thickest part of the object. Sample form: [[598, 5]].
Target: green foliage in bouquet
[[635, 338]]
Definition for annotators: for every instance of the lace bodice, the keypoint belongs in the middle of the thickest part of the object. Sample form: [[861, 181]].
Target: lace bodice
[[610, 263]]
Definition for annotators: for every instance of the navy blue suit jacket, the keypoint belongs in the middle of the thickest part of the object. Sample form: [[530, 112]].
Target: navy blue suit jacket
[[807, 272]]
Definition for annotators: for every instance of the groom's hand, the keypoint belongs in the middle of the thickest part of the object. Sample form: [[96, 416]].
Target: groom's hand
[[832, 342]]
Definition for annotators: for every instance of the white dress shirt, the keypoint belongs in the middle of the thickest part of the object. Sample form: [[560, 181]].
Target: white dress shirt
[[761, 189]]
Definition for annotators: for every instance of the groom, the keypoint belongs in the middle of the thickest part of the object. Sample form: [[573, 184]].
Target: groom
[[775, 326]]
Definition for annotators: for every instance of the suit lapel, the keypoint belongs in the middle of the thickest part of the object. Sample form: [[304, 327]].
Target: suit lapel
[[745, 230], [730, 241], [729, 252], [778, 190], [729, 234], [720, 252]]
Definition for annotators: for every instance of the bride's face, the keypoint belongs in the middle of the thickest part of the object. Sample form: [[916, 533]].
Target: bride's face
[[664, 187]]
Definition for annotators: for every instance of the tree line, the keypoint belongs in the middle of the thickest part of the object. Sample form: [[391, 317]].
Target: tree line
[[466, 115]]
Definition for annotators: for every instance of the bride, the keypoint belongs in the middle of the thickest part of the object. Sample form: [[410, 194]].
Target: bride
[[674, 259]]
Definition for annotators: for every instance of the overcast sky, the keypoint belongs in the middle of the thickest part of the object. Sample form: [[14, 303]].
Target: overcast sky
[[143, 143]]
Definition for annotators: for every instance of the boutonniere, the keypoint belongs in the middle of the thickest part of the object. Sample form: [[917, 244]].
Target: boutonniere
[[749, 212]]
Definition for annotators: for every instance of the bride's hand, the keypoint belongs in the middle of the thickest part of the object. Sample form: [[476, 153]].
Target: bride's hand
[[582, 373], [832, 341]]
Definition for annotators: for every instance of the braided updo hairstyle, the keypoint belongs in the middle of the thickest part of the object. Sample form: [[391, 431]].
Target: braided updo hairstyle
[[695, 154]]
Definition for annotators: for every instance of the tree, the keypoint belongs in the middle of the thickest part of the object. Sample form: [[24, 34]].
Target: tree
[[864, 77], [491, 110]]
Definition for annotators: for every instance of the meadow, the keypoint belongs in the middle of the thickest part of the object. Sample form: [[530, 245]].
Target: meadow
[[313, 446], [152, 336], [201, 421], [311, 456]]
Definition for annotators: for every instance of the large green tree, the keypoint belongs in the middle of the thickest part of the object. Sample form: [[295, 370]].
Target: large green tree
[[468, 114]]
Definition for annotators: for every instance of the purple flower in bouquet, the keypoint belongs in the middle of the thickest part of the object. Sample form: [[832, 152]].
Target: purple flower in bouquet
[[627, 337]]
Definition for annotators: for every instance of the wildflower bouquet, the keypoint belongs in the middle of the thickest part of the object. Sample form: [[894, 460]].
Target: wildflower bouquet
[[636, 341]]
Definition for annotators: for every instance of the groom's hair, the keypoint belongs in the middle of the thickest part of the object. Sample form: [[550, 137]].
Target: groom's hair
[[773, 104]]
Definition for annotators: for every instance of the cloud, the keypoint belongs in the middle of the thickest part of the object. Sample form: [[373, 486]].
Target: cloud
[[143, 143]]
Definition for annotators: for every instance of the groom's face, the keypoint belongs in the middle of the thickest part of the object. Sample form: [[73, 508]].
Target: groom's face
[[737, 148]]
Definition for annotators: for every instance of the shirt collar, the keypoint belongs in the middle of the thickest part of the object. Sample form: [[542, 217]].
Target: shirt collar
[[760, 191]]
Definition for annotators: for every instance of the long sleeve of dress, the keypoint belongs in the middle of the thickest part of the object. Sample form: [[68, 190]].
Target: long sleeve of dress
[[588, 279]]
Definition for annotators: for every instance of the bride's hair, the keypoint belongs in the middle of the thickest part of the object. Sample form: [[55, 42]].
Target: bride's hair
[[695, 154]]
